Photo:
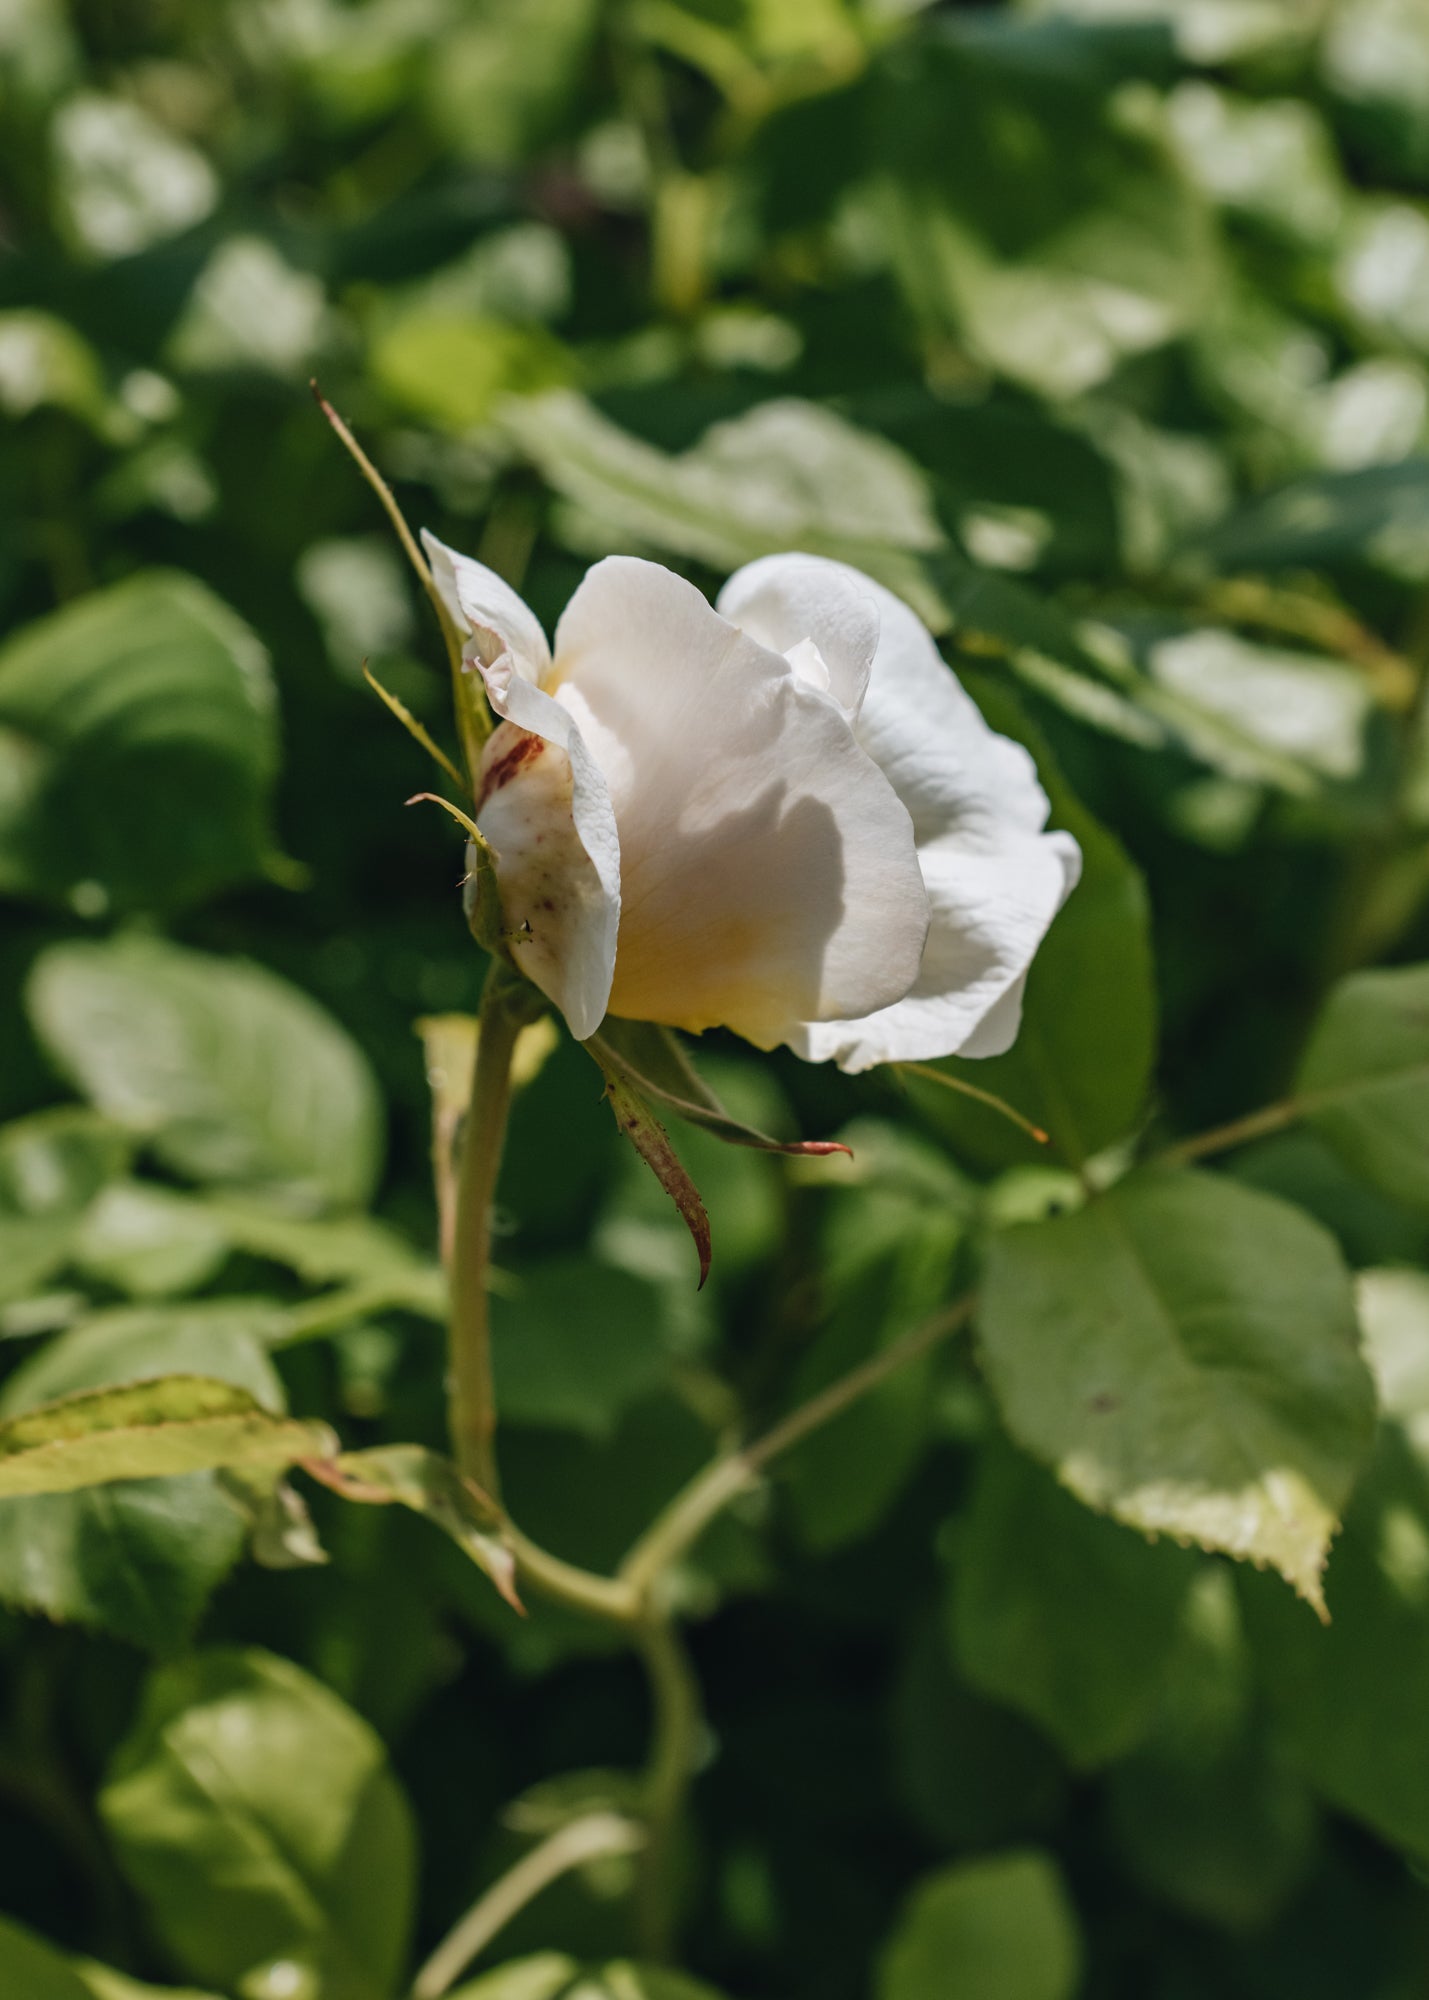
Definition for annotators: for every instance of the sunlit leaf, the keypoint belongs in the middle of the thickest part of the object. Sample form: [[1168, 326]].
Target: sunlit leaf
[[137, 1558], [155, 1430], [1183, 1353], [258, 1819]]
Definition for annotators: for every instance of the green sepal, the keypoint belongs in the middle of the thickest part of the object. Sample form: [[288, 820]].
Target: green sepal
[[651, 1063]]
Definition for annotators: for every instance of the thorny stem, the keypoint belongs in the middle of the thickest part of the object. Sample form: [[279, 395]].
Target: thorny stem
[[571, 1846], [472, 1405]]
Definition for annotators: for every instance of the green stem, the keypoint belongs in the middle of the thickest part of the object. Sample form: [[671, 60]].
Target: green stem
[[680, 1525], [608, 1597], [675, 1742], [571, 1846], [1254, 1125], [472, 1402]]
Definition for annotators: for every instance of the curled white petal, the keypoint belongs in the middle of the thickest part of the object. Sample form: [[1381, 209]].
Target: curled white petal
[[994, 879], [768, 871], [483, 604]]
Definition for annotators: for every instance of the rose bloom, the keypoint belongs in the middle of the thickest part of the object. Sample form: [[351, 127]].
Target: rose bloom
[[781, 815]]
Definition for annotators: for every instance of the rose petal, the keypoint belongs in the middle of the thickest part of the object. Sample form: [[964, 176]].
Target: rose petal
[[768, 871], [785, 602], [479, 601], [995, 880]]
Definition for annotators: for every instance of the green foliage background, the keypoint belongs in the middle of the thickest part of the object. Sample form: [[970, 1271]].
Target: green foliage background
[[1098, 329]]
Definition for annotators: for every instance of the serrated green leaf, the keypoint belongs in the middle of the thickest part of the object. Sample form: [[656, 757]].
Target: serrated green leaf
[[136, 1558], [154, 1430], [1063, 1615], [138, 749], [1364, 1081], [1183, 1353], [257, 1817], [994, 1929], [232, 1075]]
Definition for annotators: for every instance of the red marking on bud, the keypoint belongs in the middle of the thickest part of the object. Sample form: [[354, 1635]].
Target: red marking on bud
[[504, 767]]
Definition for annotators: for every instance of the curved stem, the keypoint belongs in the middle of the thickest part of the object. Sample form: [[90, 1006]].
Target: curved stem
[[579, 1841], [472, 1403], [675, 1736], [608, 1597], [682, 1523], [1254, 1125]]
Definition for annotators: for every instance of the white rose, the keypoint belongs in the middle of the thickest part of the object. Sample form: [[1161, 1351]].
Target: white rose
[[781, 816]]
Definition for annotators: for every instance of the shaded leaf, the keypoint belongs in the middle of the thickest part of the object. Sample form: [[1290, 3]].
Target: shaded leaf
[[1063, 1615], [1207, 1813], [574, 1344], [1364, 1081], [994, 1929], [1349, 1696], [34, 1970], [149, 1241]]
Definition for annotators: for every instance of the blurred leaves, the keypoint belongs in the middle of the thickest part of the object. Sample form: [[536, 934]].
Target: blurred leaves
[[138, 749], [1365, 1079], [257, 1817], [1000, 1929], [233, 1076]]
